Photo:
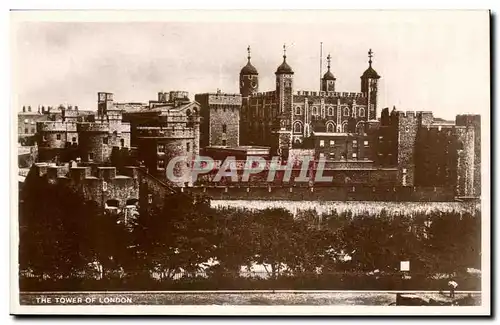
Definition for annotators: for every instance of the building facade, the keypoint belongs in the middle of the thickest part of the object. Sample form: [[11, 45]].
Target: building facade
[[284, 117]]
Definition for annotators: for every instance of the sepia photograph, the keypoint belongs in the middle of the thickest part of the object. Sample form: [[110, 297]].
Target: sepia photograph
[[250, 162]]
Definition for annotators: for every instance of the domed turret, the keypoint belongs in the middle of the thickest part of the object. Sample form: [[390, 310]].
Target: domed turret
[[328, 82], [249, 78], [249, 69], [370, 72], [369, 87], [284, 68]]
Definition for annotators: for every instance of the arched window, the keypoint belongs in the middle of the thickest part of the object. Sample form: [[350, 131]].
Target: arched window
[[297, 127], [361, 112], [315, 110], [330, 111], [330, 127], [346, 111], [298, 110], [344, 127]]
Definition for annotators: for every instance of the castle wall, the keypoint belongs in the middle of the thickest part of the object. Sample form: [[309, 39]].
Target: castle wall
[[325, 194], [105, 186]]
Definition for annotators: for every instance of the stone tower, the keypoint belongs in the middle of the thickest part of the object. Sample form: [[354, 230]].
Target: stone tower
[[328, 81], [282, 130], [369, 87]]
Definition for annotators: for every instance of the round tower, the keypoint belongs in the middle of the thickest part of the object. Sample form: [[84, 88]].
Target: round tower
[[249, 78], [369, 87]]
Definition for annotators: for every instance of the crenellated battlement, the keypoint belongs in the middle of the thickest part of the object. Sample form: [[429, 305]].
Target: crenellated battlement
[[93, 127], [265, 94], [56, 126], [334, 94], [172, 132], [224, 99], [78, 173]]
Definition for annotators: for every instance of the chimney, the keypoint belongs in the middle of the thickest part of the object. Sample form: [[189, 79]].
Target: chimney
[[43, 109], [24, 109], [29, 108]]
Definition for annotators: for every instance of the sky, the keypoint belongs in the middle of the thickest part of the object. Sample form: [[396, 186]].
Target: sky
[[430, 60]]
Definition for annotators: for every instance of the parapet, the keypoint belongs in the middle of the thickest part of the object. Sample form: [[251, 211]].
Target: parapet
[[330, 94], [468, 119], [172, 132], [224, 99], [92, 127], [407, 114], [55, 126], [265, 94]]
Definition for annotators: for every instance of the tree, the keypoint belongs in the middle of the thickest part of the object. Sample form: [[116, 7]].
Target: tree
[[179, 237]]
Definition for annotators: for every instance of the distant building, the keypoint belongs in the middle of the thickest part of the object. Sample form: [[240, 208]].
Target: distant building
[[164, 129]]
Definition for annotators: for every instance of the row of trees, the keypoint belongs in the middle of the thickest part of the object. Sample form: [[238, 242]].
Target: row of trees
[[63, 237]]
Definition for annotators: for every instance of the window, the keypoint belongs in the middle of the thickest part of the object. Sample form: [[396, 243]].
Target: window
[[332, 155], [224, 128], [332, 143], [315, 110], [122, 142], [365, 143], [26, 130], [361, 112], [321, 155], [33, 130], [91, 156], [330, 111], [105, 140], [354, 155], [346, 111], [58, 136], [224, 142], [330, 127], [297, 127], [161, 163], [321, 143], [298, 110], [188, 147], [73, 139], [354, 143], [161, 148], [26, 121], [44, 138]]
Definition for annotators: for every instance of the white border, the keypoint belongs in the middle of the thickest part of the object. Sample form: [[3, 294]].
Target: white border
[[236, 310]]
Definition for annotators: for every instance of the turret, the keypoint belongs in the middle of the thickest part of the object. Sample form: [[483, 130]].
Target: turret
[[328, 81], [249, 78], [369, 87]]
